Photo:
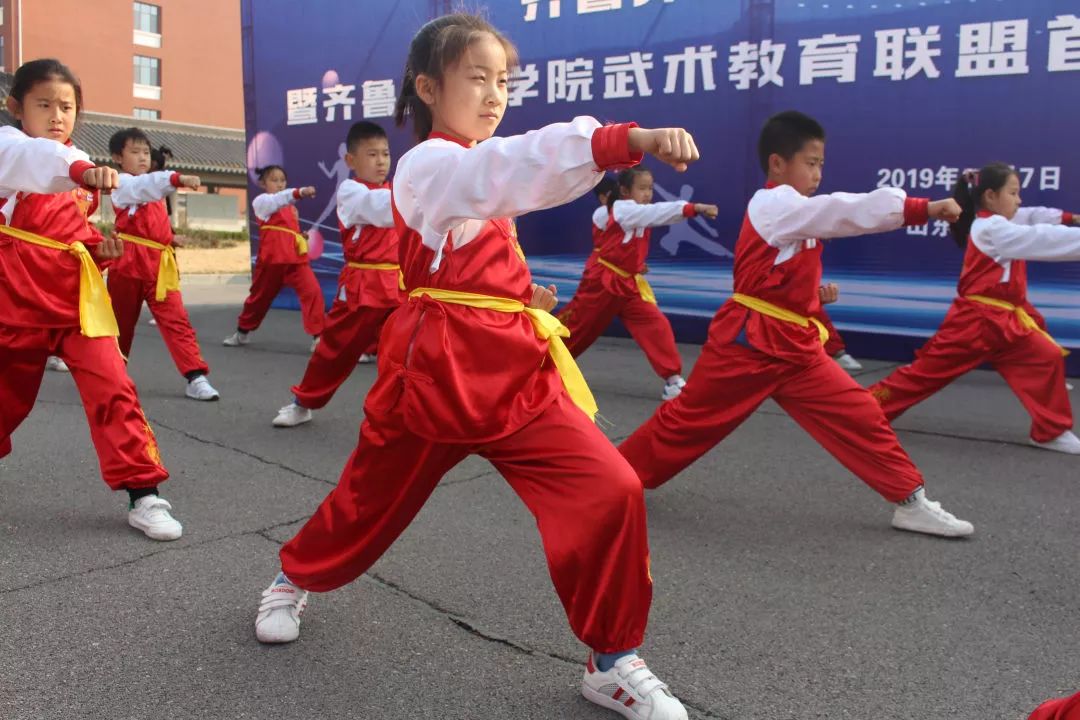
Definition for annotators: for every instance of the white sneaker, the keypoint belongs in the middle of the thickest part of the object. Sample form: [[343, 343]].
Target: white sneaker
[[1069, 386], [366, 359], [278, 620], [673, 387], [151, 321], [1066, 442], [631, 690], [201, 389], [56, 364], [847, 362], [314, 344], [926, 516], [292, 415], [236, 339], [151, 515]]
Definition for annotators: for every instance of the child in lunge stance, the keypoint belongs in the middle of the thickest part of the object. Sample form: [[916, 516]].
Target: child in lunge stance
[[466, 368]]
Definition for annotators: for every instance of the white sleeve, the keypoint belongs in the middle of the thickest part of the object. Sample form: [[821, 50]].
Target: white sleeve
[[633, 215], [783, 216], [440, 184], [600, 217], [1005, 240], [36, 165], [269, 203], [135, 190], [357, 204], [1035, 215]]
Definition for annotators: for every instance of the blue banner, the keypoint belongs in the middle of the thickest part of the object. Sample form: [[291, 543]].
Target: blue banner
[[910, 93]]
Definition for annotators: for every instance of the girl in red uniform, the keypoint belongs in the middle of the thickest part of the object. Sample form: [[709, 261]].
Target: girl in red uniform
[[147, 271], [992, 320], [465, 367], [614, 284], [370, 285], [282, 259], [53, 299], [766, 342]]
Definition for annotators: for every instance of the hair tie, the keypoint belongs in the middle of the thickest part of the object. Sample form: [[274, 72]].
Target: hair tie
[[972, 177]]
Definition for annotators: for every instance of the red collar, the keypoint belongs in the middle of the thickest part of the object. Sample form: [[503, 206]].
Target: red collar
[[373, 186], [769, 185], [451, 138], [984, 214]]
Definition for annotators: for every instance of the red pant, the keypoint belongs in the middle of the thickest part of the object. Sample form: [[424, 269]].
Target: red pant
[[835, 344], [266, 283], [128, 295], [125, 444], [1031, 365], [730, 381], [1067, 708], [586, 500], [593, 308], [348, 334]]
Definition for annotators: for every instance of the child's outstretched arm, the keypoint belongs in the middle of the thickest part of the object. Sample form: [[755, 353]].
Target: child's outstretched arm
[[150, 187], [785, 216], [632, 215], [267, 204], [1004, 240], [445, 184], [40, 165], [1035, 215], [357, 204]]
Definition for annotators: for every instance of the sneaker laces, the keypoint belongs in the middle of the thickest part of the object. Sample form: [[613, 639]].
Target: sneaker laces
[[156, 510], [936, 509], [639, 678]]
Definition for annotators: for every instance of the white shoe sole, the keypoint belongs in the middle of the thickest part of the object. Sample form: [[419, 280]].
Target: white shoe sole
[[936, 531], [284, 424], [606, 701], [1050, 448], [265, 636], [155, 533], [209, 398]]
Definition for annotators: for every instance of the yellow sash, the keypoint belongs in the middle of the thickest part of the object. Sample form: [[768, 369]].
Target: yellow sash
[[381, 266], [1025, 320], [775, 311], [547, 327], [168, 274], [301, 241], [96, 317], [644, 289]]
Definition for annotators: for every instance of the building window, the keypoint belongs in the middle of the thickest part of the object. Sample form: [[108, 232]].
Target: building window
[[146, 114], [147, 71], [148, 18]]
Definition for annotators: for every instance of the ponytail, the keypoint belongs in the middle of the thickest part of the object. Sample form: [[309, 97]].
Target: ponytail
[[968, 192]]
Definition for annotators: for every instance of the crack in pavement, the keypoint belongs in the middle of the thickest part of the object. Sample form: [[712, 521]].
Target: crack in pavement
[[486, 635], [167, 548]]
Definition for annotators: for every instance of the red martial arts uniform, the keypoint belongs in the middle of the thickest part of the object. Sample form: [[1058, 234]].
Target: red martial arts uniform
[[992, 321], [458, 377], [777, 277], [613, 284], [39, 307], [279, 263], [835, 344], [133, 278], [369, 289], [1067, 708]]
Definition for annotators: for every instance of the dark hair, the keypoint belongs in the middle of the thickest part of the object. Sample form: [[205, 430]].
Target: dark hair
[[437, 46], [121, 138], [362, 131], [968, 191], [607, 186], [160, 157], [262, 172], [625, 181], [785, 133], [38, 71]]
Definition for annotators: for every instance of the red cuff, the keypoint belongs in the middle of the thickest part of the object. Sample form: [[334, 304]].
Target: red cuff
[[78, 169], [174, 179], [916, 211], [611, 147], [689, 210], [296, 193], [1067, 217]]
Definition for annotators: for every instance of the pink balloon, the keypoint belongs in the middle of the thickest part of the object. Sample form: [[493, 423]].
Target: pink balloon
[[315, 244], [330, 78], [263, 150]]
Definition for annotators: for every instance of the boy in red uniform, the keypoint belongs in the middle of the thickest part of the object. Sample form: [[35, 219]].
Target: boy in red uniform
[[777, 295], [147, 271], [369, 287]]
